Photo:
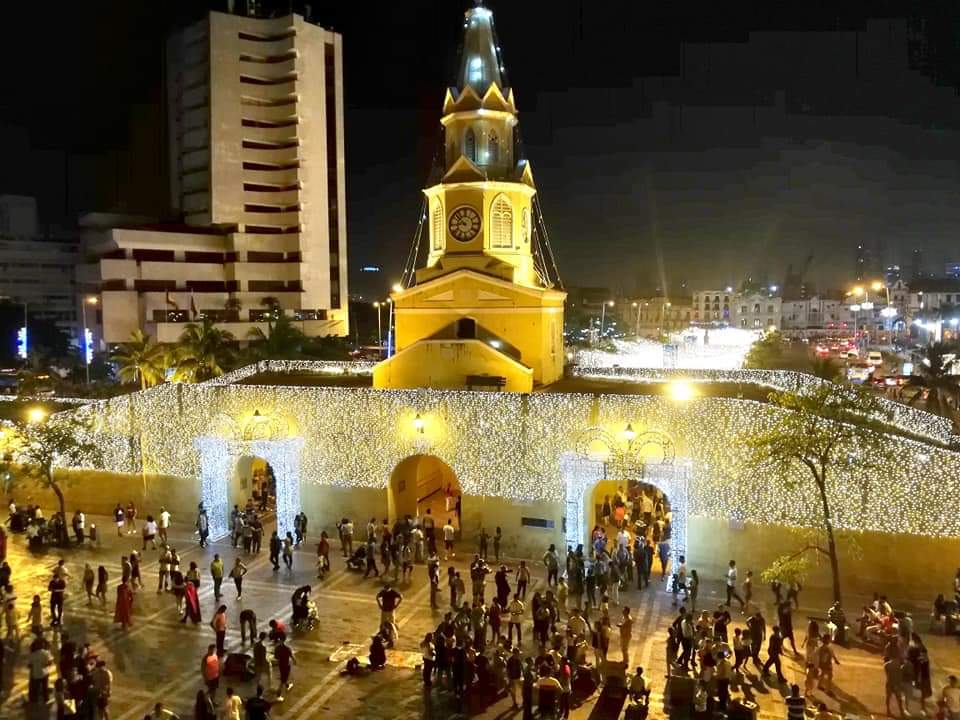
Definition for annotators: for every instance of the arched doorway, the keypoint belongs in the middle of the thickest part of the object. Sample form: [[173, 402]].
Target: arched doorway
[[421, 483], [253, 480], [641, 507]]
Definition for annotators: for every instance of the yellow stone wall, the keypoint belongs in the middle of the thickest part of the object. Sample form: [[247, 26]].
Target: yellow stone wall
[[445, 365]]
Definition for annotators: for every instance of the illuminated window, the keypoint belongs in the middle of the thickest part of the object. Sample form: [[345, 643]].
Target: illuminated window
[[525, 226], [436, 225], [501, 223], [493, 148], [470, 145]]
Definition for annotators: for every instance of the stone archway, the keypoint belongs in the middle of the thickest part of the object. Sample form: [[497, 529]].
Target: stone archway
[[418, 482], [581, 474], [219, 459]]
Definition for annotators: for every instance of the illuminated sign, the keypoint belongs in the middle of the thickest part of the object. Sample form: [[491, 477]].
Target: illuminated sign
[[22, 343]]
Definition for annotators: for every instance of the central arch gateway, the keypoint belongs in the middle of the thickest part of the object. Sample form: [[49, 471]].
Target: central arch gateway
[[581, 474]]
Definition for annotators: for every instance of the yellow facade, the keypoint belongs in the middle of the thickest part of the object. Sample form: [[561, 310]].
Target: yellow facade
[[481, 305]]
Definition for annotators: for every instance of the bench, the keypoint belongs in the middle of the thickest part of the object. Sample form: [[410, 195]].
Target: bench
[[478, 381]]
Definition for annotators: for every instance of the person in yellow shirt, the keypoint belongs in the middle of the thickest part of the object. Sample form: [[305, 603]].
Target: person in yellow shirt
[[216, 572]]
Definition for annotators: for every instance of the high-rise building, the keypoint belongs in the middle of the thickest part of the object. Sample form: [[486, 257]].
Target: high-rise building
[[484, 310], [36, 267], [256, 152]]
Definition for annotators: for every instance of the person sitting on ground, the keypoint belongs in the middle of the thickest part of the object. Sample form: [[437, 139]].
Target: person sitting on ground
[[378, 654], [301, 603], [639, 692]]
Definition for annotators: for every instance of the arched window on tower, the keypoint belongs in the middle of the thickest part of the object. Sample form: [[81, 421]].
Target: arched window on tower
[[501, 223], [436, 225], [525, 226], [493, 149], [470, 145]]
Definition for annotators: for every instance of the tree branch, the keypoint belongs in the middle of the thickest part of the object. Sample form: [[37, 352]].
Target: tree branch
[[808, 548]]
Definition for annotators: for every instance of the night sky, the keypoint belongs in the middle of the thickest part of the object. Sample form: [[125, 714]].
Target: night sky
[[669, 141]]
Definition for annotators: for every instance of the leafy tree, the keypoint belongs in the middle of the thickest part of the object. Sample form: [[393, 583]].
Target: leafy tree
[[815, 433], [34, 450], [141, 360], [282, 341], [327, 348], [825, 368], [935, 375], [202, 352], [766, 353]]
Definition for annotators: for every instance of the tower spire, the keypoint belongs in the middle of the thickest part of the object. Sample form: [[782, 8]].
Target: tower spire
[[480, 63]]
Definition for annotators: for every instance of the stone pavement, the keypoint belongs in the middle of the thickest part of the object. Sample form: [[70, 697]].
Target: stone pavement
[[158, 658]]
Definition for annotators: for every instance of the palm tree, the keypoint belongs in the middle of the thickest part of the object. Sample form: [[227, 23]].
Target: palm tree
[[935, 375], [141, 360], [202, 352], [282, 341]]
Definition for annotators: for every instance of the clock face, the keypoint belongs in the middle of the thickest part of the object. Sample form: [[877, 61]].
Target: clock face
[[464, 223]]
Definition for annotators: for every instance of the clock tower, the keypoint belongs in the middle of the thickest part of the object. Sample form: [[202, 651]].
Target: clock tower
[[483, 310]]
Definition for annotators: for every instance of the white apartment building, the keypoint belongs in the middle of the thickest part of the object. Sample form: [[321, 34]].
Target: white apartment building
[[655, 316], [37, 268], [756, 311], [256, 149], [712, 306]]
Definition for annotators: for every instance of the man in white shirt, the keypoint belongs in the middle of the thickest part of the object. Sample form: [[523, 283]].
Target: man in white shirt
[[732, 585], [449, 532], [515, 609], [164, 525], [623, 538]]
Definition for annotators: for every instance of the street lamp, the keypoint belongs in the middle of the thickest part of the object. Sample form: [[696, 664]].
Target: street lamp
[[377, 304], [603, 312], [87, 335], [36, 415]]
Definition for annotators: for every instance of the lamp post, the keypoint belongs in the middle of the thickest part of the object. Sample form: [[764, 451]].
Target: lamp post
[[91, 300], [377, 305], [603, 313]]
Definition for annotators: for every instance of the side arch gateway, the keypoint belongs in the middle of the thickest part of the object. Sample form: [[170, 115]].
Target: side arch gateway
[[218, 463]]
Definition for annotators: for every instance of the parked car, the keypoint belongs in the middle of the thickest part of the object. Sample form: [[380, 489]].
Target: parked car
[[875, 358]]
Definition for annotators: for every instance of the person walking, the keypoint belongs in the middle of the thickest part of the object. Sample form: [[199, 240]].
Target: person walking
[[216, 572], [523, 579], [58, 589], [388, 600], [552, 562], [130, 518], [39, 661], [163, 525], [626, 634], [449, 533], [101, 680], [428, 654], [79, 525], [119, 517], [285, 662], [774, 651], [232, 705], [371, 557], [262, 667], [236, 573], [757, 628], [203, 525], [102, 579], [288, 551], [732, 585], [219, 626], [275, 547], [210, 670], [164, 569], [893, 672], [515, 609], [150, 533], [345, 527], [123, 610], [323, 555], [89, 577]]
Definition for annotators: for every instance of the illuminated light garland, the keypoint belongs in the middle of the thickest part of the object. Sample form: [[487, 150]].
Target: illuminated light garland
[[511, 445], [286, 367], [910, 419]]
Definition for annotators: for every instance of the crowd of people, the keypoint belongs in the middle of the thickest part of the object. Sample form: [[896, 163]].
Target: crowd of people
[[545, 645]]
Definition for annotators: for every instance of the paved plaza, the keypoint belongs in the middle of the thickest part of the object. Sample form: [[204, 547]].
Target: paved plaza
[[159, 658]]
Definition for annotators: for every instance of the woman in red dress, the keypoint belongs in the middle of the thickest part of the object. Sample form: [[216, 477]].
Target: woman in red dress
[[192, 604], [124, 608]]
